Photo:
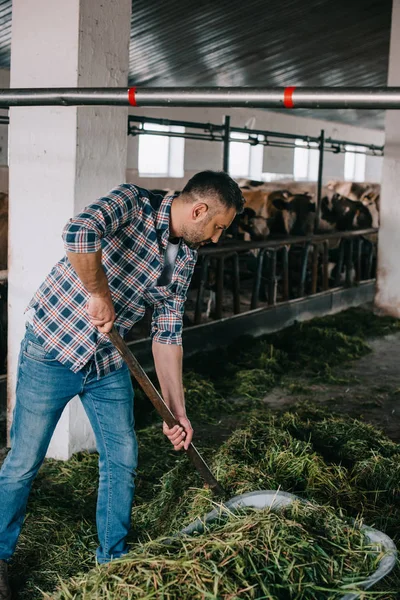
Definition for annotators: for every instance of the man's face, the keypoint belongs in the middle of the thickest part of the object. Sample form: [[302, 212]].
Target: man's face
[[206, 224]]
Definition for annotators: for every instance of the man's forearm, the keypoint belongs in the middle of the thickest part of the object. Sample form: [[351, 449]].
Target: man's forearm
[[168, 363], [90, 271]]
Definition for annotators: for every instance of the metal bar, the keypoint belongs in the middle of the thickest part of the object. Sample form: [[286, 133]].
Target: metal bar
[[225, 159], [220, 287], [272, 279], [285, 292], [319, 184], [370, 257], [304, 268], [290, 97], [357, 144], [257, 280], [178, 123], [202, 287], [359, 245], [349, 261], [315, 257], [339, 264], [325, 267], [162, 408], [236, 284], [237, 246]]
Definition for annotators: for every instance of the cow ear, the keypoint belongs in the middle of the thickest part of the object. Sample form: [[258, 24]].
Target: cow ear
[[280, 204], [249, 212], [286, 194]]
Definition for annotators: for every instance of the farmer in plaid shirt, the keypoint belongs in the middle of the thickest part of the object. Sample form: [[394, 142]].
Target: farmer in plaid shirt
[[128, 250]]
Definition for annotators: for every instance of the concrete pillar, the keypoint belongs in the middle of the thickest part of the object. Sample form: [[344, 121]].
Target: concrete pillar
[[388, 279], [61, 158]]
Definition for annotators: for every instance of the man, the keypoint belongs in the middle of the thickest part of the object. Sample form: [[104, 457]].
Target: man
[[128, 250]]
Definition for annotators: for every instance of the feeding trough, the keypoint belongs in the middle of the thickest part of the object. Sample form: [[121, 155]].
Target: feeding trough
[[276, 500]]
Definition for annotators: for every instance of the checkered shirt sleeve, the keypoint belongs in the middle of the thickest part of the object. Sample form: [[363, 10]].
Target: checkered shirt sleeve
[[83, 233]]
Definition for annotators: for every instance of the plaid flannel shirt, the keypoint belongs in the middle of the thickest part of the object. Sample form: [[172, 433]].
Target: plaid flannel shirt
[[131, 225]]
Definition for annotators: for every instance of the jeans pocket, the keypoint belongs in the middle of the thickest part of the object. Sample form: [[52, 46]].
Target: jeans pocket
[[37, 352]]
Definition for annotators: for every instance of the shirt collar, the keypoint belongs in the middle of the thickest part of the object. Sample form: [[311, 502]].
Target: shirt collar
[[163, 215]]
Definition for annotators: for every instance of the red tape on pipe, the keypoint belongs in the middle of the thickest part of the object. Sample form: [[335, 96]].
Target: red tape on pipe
[[132, 96], [288, 97]]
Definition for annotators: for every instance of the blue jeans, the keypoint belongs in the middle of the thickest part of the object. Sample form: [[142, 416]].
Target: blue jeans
[[44, 388]]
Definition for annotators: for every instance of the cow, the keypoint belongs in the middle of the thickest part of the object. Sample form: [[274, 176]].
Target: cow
[[367, 193], [344, 214]]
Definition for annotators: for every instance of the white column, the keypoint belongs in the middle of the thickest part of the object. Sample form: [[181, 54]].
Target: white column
[[61, 158], [388, 279]]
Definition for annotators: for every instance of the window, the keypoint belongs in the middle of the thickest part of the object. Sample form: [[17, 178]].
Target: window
[[306, 158], [276, 176], [161, 156], [245, 160], [354, 163]]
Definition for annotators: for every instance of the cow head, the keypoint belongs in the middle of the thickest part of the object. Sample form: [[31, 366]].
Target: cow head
[[346, 214], [255, 225], [371, 200], [298, 212]]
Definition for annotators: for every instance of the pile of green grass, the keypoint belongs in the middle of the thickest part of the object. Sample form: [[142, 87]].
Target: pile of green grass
[[300, 552], [335, 462], [263, 455]]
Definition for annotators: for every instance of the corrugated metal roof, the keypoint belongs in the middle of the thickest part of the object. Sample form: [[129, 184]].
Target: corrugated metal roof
[[255, 43]]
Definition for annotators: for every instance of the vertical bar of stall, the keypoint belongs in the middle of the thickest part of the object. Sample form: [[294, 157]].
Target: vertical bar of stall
[[320, 174], [227, 134]]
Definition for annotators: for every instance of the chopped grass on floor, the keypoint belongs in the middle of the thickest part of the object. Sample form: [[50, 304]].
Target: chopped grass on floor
[[339, 463]]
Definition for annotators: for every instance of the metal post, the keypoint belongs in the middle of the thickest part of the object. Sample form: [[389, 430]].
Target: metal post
[[285, 256], [304, 264], [319, 185], [325, 267], [227, 133], [219, 287], [257, 280], [272, 279], [236, 283], [200, 293], [315, 257]]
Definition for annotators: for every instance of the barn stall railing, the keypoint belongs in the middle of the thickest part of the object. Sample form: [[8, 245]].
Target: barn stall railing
[[224, 133], [354, 254]]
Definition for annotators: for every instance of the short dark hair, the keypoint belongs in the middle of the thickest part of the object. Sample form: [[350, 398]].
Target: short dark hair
[[219, 185]]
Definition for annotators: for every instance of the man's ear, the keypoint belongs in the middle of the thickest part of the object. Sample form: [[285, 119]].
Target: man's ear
[[199, 211]]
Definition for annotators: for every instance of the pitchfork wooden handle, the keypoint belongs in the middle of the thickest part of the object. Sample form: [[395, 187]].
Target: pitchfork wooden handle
[[162, 408]]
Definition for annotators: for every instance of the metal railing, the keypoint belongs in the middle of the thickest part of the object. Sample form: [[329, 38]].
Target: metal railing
[[354, 253]]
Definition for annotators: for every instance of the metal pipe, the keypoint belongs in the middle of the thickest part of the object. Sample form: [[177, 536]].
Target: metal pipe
[[272, 283], [320, 174], [289, 97], [219, 295], [257, 280], [285, 256], [236, 283], [225, 159], [237, 246], [200, 292]]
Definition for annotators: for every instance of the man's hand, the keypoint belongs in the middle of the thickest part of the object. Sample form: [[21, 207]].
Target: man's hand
[[181, 435], [101, 312]]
